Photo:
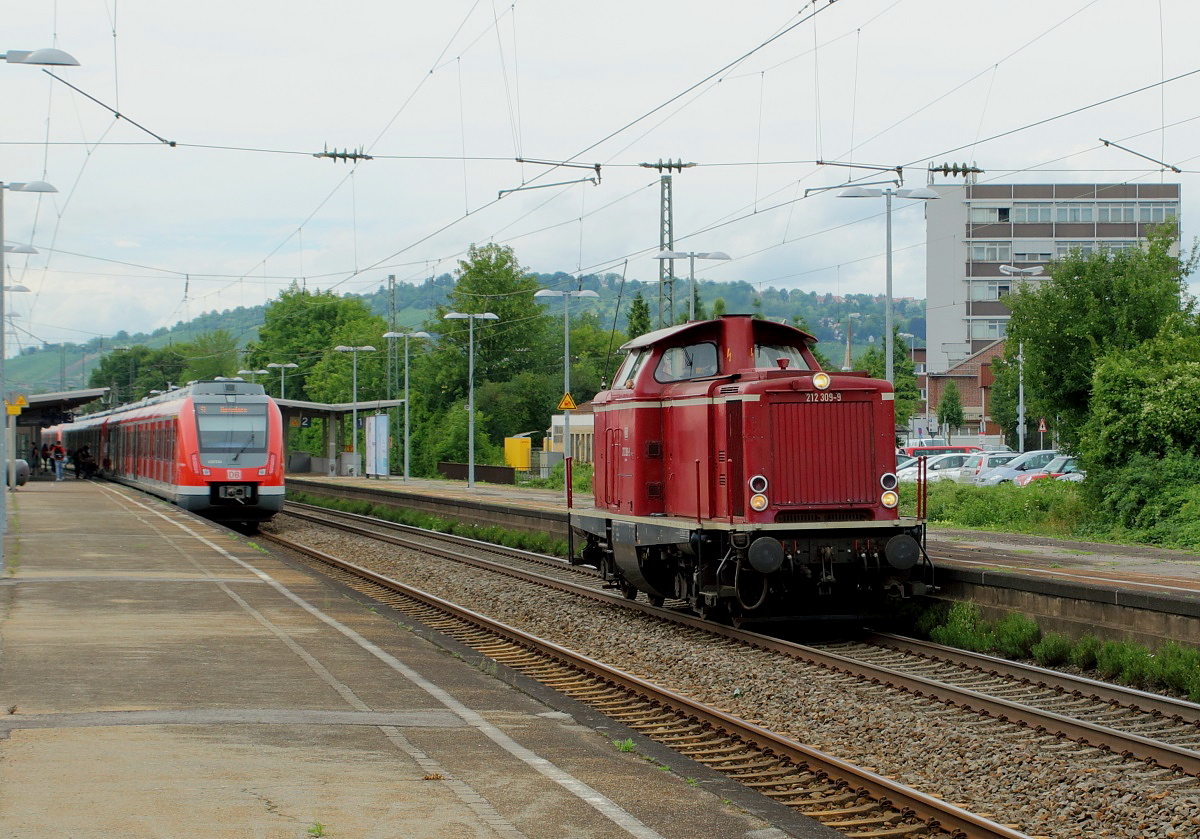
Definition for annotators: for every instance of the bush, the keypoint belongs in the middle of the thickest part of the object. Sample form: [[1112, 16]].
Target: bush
[[1015, 635], [1053, 650], [1083, 655], [964, 628]]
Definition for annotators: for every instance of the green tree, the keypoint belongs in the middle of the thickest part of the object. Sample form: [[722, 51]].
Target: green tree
[[949, 409], [908, 395], [1108, 301], [638, 320], [302, 327], [491, 280], [210, 355]]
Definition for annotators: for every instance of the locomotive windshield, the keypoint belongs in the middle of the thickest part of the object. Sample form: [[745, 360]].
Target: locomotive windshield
[[229, 432], [767, 355], [695, 361]]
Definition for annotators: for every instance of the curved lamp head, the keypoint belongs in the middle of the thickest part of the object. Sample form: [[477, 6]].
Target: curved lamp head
[[1013, 271], [49, 56]]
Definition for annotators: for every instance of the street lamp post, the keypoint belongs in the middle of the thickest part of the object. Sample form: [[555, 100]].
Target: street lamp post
[[919, 193], [6, 453], [354, 351], [283, 368], [692, 256], [566, 296], [470, 318], [405, 336], [1013, 271], [846, 362]]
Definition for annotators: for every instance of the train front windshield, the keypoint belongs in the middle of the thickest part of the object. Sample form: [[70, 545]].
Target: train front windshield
[[232, 434]]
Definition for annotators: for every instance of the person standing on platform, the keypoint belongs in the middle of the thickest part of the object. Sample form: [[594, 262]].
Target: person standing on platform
[[60, 460], [47, 459], [35, 458]]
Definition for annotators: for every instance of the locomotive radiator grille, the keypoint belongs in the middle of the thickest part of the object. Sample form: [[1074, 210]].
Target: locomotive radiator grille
[[826, 451]]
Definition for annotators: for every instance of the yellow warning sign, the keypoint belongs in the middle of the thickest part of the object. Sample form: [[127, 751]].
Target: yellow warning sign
[[17, 401], [566, 403]]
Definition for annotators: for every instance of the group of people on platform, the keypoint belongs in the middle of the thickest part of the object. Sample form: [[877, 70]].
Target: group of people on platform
[[52, 459]]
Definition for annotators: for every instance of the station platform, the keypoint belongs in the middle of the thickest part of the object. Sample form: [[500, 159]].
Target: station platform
[[162, 676]]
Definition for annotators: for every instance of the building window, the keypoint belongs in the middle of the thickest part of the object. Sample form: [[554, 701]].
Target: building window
[[1156, 213], [991, 252], [1063, 249], [990, 290], [1032, 256], [1123, 213], [989, 215], [1032, 213], [987, 330], [1075, 213]]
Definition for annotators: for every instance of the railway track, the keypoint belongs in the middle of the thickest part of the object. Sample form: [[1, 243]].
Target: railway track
[[993, 699]]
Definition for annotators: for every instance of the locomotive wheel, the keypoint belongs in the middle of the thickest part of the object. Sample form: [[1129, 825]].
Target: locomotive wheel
[[657, 601], [717, 612], [629, 591]]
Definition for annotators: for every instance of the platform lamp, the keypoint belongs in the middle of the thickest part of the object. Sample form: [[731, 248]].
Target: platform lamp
[[566, 296], [1014, 271], [5, 447], [405, 335], [252, 374], [470, 318], [50, 57], [283, 368], [918, 193], [354, 395], [691, 256]]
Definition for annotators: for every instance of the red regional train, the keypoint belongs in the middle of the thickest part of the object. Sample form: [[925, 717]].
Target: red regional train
[[731, 472], [214, 448]]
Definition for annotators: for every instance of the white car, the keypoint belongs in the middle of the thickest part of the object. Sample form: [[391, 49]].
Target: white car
[[938, 468]]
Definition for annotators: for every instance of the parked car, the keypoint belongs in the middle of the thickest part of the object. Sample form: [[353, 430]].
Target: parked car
[[934, 468], [1062, 465], [930, 451], [903, 460], [1019, 465], [977, 464]]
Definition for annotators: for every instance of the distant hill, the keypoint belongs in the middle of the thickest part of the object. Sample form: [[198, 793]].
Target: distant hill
[[55, 367]]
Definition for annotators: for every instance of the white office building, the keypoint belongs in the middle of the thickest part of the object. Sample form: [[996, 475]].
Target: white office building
[[976, 228]]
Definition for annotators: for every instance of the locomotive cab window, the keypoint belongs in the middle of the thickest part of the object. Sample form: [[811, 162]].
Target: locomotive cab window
[[228, 433], [695, 361], [767, 355], [629, 368]]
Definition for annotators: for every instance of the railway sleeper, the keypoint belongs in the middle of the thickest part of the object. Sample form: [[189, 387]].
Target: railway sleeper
[[857, 810]]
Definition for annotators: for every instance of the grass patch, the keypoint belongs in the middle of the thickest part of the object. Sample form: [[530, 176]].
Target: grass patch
[[522, 540], [1171, 668]]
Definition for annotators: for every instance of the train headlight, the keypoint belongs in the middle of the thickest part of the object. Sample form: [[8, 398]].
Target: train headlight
[[888, 481], [758, 483], [758, 502], [889, 499], [820, 380]]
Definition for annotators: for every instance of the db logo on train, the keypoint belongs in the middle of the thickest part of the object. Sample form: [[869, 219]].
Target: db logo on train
[[234, 474]]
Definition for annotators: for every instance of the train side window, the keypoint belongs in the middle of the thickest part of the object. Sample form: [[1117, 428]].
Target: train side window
[[679, 364], [767, 355]]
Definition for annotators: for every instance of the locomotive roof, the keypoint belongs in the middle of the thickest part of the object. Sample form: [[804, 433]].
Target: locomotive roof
[[770, 327]]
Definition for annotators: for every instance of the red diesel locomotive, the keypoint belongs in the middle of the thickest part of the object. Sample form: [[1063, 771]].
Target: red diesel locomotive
[[214, 448], [731, 472]]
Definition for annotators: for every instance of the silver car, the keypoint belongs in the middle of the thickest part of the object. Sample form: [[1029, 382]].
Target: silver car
[[1019, 465], [977, 464]]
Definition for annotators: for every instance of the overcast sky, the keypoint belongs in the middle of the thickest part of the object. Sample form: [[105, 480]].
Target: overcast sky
[[445, 96]]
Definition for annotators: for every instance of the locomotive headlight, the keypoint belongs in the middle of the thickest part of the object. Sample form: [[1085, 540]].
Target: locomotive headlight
[[889, 499], [758, 502], [820, 380], [758, 483], [888, 481]]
